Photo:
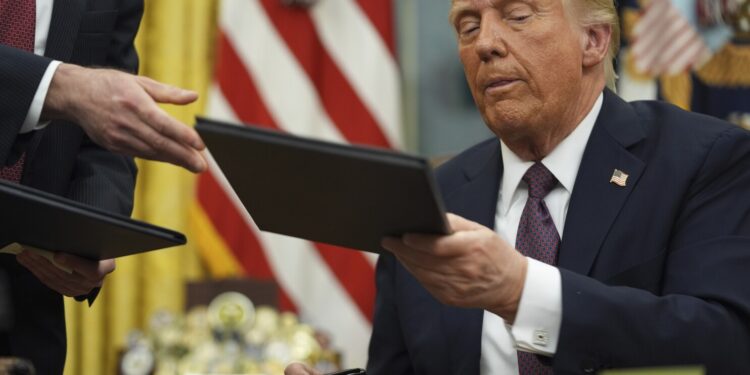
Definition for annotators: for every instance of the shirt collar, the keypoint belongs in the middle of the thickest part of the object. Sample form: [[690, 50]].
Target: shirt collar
[[563, 161]]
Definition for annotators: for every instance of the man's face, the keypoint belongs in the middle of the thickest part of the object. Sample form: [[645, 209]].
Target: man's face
[[523, 63]]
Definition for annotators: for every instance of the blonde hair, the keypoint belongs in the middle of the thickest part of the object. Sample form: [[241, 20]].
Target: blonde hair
[[597, 12]]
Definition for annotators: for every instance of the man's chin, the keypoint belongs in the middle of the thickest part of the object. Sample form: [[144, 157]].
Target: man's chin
[[506, 114]]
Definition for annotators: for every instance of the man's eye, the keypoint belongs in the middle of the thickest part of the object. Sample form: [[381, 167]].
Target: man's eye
[[468, 28], [520, 18]]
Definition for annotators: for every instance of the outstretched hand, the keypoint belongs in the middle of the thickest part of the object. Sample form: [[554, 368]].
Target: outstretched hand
[[119, 112]]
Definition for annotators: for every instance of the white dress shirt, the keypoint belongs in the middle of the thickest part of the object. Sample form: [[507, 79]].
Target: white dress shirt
[[43, 19], [537, 325]]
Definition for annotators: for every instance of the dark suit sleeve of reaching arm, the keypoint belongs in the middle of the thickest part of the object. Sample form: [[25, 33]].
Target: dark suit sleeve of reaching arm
[[702, 313], [20, 74], [102, 178], [387, 354]]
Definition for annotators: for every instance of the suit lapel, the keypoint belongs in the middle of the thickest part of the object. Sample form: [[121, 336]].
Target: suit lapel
[[63, 29], [475, 200], [596, 201]]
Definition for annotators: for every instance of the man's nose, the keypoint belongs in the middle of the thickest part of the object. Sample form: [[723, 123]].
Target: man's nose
[[491, 40]]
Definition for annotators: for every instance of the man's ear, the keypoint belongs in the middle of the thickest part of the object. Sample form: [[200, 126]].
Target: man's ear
[[595, 44]]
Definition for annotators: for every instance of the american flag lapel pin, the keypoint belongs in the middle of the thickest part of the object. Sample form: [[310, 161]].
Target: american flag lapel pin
[[619, 178]]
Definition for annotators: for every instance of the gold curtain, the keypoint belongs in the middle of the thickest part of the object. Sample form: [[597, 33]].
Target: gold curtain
[[176, 45]]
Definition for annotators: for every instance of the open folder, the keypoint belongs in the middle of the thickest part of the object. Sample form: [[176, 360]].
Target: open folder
[[338, 194], [35, 219]]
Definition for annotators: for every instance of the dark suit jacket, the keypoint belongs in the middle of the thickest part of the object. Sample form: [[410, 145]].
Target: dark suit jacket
[[61, 159], [654, 273]]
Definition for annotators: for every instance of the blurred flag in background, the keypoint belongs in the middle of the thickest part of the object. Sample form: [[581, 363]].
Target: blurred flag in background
[[693, 53], [324, 69]]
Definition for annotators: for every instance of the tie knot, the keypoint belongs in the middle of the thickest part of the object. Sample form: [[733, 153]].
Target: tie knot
[[540, 180]]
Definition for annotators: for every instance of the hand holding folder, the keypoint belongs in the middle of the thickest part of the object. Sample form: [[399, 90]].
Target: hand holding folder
[[81, 277], [67, 245], [36, 220]]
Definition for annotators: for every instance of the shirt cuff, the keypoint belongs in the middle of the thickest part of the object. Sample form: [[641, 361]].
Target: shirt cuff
[[31, 122], [536, 328]]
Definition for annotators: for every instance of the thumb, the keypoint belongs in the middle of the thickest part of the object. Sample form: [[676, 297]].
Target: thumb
[[458, 223], [163, 93]]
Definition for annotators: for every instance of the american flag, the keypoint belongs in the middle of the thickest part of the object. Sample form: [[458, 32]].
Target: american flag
[[324, 69], [665, 43], [619, 178]]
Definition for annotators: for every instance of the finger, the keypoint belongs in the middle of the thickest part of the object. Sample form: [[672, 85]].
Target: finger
[[45, 272], [393, 244], [408, 255], [427, 243], [458, 223], [74, 281], [155, 146], [91, 270], [164, 93], [159, 120], [166, 150]]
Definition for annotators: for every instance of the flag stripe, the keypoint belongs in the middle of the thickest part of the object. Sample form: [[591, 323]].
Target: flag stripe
[[279, 78], [341, 102], [218, 256], [364, 59], [381, 15], [680, 39], [355, 273], [239, 87], [234, 74], [664, 42], [242, 242]]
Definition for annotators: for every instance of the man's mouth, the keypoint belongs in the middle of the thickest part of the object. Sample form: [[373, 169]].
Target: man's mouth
[[498, 84]]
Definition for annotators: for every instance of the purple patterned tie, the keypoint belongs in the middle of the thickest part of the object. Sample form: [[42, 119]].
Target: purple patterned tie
[[17, 30], [537, 238]]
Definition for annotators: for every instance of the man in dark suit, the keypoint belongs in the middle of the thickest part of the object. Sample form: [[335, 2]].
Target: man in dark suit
[[591, 233], [631, 222], [89, 109]]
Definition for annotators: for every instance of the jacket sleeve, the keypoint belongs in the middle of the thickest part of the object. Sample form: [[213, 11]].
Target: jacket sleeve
[[20, 74], [702, 313], [387, 354]]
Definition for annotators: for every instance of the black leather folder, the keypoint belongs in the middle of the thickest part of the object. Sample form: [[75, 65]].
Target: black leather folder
[[342, 195], [44, 221]]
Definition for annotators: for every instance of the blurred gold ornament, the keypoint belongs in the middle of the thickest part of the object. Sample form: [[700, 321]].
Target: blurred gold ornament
[[231, 311]]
